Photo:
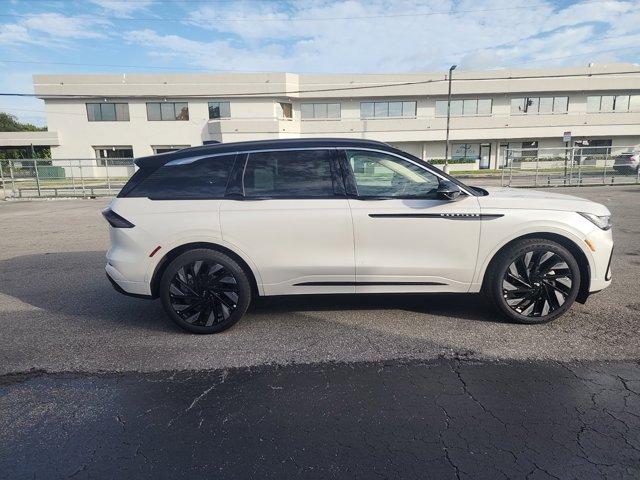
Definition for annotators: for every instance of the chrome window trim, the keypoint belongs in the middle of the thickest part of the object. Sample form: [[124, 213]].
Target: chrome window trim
[[433, 170]]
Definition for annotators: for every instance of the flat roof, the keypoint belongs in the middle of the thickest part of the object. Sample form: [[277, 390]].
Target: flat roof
[[615, 76]]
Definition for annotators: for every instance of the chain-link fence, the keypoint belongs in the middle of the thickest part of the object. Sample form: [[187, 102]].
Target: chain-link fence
[[24, 178], [572, 166], [520, 167]]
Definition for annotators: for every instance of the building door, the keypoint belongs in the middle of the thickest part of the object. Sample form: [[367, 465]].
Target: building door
[[485, 155], [504, 154]]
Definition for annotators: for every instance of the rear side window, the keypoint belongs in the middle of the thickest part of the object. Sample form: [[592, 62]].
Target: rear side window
[[286, 174], [202, 179]]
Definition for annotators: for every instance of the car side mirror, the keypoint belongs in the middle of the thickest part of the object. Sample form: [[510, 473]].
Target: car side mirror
[[448, 190]]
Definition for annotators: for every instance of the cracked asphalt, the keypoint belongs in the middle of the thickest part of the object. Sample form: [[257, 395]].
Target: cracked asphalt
[[97, 385], [444, 419]]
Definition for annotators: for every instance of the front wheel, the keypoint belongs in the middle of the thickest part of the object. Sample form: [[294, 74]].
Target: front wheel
[[205, 291], [533, 281]]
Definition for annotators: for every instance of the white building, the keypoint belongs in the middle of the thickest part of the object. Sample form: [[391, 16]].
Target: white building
[[97, 116]]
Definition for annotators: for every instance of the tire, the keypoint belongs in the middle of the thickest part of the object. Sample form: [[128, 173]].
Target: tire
[[533, 281], [205, 291]]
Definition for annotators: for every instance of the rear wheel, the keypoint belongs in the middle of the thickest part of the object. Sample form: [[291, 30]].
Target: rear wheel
[[205, 291], [533, 281]]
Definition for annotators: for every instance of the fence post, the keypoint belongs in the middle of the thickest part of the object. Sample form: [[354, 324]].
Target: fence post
[[510, 171], [13, 181], [106, 164], [73, 177], [638, 175], [84, 193], [4, 187], [35, 165], [604, 172], [580, 168], [504, 165], [535, 181]]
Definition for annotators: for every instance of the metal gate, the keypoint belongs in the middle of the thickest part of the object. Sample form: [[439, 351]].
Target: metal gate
[[572, 166]]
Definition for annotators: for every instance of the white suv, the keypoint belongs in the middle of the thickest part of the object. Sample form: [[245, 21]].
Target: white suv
[[207, 228]]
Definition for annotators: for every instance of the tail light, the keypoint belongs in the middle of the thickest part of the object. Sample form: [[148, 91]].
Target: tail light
[[116, 220]]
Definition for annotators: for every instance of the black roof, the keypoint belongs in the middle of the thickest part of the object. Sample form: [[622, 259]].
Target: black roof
[[218, 148]]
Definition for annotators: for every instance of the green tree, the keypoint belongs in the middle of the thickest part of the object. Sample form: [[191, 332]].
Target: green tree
[[9, 123]]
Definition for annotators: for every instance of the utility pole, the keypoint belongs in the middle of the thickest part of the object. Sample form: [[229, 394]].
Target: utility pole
[[446, 147]]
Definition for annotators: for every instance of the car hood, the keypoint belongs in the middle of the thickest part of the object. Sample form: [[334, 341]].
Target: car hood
[[521, 198]]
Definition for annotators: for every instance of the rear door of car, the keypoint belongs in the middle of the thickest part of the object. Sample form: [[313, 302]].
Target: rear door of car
[[287, 211]]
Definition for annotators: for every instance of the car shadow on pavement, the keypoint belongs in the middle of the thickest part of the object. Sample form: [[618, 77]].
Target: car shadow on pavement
[[74, 284], [462, 306]]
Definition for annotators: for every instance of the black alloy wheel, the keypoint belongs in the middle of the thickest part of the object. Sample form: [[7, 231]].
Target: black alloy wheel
[[534, 281], [205, 291], [537, 283]]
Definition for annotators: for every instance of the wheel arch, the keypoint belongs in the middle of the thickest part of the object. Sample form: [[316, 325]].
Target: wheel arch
[[180, 249], [569, 244]]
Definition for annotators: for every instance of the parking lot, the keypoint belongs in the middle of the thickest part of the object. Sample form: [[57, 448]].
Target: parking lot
[[320, 387]]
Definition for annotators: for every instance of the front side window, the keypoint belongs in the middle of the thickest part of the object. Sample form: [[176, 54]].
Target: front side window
[[289, 174], [202, 179], [219, 110], [387, 109], [108, 112], [382, 175], [167, 111]]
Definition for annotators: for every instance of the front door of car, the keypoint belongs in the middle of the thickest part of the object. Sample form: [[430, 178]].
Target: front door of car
[[406, 238], [287, 212]]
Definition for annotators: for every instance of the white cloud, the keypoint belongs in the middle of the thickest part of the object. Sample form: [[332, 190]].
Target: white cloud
[[122, 8], [65, 27], [405, 36], [51, 30]]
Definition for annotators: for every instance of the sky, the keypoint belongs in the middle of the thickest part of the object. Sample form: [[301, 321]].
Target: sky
[[323, 36]]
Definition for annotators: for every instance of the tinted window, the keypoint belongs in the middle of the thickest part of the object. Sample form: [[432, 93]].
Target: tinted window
[[381, 175], [297, 173], [201, 179]]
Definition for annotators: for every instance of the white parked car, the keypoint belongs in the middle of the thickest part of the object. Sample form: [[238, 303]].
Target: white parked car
[[208, 228]]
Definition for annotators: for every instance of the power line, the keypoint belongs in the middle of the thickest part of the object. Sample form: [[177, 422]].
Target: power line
[[333, 89], [204, 69], [293, 19]]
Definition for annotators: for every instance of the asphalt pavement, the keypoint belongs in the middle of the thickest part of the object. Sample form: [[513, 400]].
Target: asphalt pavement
[[97, 385]]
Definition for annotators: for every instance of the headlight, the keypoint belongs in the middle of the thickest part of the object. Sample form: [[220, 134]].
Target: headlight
[[603, 221]]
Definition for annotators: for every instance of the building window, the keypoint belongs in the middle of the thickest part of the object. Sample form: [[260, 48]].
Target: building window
[[598, 147], [387, 109], [613, 103], [465, 151], [470, 107], [114, 155], [219, 110], [285, 110], [529, 149], [168, 148], [167, 111], [319, 110], [108, 112], [539, 105]]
